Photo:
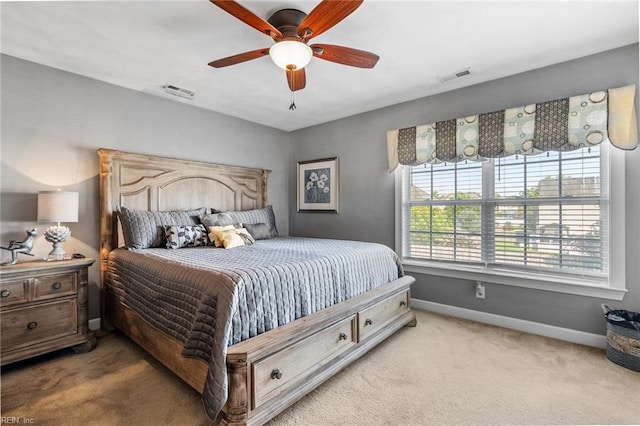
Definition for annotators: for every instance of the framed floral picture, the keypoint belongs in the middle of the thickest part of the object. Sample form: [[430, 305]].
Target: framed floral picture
[[318, 185]]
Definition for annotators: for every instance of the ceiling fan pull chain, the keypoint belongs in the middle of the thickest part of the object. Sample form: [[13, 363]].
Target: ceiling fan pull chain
[[293, 104], [292, 107]]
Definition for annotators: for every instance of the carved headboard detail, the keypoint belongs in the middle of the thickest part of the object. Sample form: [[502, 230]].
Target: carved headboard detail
[[148, 182]]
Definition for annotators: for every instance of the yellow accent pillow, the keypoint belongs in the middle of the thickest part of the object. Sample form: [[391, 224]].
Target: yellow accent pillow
[[230, 236], [216, 233]]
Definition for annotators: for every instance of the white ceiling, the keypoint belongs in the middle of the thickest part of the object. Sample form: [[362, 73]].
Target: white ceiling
[[146, 44]]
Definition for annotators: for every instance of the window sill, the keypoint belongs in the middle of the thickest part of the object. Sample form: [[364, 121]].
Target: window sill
[[581, 287]]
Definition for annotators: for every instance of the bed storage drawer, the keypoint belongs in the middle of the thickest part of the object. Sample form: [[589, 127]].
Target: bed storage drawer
[[281, 371], [376, 317]]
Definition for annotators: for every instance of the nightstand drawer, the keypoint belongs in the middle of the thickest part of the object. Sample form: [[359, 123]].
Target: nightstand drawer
[[48, 286], [33, 324], [13, 292]]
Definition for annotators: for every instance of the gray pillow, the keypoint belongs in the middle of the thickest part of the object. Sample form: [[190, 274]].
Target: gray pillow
[[144, 229], [264, 215], [259, 231], [216, 219]]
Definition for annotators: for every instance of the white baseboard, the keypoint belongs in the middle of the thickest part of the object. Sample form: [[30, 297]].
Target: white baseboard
[[94, 324], [566, 334]]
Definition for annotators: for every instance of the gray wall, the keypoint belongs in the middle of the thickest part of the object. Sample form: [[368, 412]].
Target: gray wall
[[367, 190], [53, 122]]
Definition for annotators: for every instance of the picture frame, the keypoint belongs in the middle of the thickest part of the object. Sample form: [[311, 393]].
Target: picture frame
[[318, 185]]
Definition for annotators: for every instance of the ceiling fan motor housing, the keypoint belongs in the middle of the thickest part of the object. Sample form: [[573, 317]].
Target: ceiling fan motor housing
[[287, 21]]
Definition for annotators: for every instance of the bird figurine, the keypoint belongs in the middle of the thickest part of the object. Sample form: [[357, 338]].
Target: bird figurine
[[21, 247]]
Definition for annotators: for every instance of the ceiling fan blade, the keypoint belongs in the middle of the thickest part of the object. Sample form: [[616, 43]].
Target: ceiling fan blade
[[297, 79], [345, 55], [248, 17], [325, 15], [241, 57]]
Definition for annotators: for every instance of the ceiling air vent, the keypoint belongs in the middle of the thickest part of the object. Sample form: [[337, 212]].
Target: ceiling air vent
[[456, 74], [179, 91]]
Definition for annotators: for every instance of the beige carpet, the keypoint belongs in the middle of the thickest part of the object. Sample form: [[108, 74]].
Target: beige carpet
[[445, 371]]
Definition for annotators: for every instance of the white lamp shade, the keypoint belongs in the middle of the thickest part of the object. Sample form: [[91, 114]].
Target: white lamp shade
[[290, 52], [57, 206]]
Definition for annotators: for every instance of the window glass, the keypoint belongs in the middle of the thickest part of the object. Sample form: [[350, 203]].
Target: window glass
[[543, 212]]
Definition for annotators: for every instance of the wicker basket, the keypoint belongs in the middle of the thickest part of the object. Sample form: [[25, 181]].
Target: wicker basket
[[623, 343]]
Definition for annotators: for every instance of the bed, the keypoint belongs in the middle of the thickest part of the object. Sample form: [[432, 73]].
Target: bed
[[255, 328]]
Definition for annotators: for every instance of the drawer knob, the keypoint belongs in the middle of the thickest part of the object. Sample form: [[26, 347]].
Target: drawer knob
[[56, 286], [368, 321], [343, 336], [276, 374], [403, 303], [5, 293], [32, 325]]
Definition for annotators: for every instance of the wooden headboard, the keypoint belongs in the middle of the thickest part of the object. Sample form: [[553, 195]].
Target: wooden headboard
[[148, 182]]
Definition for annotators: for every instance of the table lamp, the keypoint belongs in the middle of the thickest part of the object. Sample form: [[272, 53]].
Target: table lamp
[[57, 206]]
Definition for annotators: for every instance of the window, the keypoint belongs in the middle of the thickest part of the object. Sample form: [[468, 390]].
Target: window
[[541, 221]]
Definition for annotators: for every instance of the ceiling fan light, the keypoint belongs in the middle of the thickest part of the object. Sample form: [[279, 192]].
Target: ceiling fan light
[[290, 52]]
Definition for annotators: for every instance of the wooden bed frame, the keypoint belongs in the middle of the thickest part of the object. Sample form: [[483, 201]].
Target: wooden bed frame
[[269, 372]]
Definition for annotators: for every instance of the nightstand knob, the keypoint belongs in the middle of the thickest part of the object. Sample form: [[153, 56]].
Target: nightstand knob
[[5, 293], [56, 286], [276, 374], [343, 336], [368, 321], [32, 325], [403, 303]]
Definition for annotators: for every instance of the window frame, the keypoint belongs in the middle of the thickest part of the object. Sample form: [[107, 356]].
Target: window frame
[[612, 288]]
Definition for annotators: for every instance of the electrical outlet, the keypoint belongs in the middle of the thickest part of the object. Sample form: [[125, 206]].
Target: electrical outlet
[[479, 290]]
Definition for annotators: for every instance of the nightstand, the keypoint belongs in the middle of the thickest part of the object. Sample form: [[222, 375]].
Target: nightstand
[[44, 307]]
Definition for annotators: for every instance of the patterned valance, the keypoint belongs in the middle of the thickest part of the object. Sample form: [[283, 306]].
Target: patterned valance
[[560, 125]]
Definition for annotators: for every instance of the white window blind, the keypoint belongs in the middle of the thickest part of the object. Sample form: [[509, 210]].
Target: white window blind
[[546, 212]]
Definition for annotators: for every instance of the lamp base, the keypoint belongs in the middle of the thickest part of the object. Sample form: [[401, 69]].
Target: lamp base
[[57, 235], [56, 257]]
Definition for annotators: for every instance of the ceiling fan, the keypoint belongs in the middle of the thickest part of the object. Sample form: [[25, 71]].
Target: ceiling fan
[[291, 30]]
